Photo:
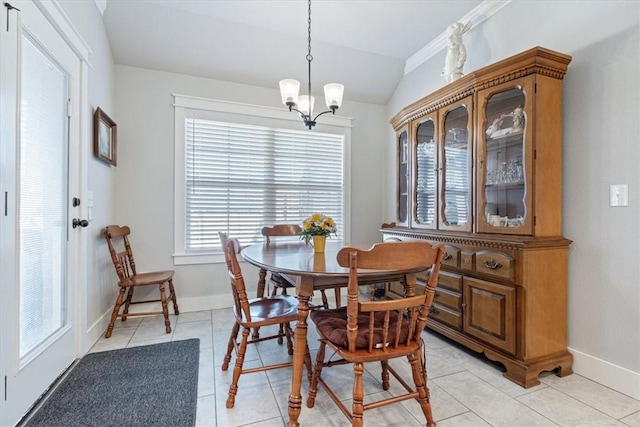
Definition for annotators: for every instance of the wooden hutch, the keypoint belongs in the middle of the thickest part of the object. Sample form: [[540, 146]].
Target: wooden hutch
[[479, 169]]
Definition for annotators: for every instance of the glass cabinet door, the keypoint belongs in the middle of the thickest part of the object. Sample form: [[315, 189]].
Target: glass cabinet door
[[425, 176], [505, 159], [455, 167], [402, 138]]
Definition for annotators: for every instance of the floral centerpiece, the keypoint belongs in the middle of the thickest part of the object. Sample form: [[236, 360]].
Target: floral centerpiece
[[317, 225]]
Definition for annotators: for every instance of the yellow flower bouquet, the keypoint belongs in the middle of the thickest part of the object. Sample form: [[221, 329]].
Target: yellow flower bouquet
[[317, 225]]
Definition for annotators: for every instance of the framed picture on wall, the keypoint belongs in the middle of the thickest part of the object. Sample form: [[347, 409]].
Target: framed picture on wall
[[104, 137]]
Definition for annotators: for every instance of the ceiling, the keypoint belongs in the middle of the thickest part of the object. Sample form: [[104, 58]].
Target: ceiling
[[361, 44]]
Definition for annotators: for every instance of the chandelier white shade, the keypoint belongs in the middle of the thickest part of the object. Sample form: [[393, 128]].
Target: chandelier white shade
[[303, 104], [333, 94], [289, 90]]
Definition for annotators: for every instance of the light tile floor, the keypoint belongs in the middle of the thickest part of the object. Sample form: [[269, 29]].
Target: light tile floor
[[467, 390]]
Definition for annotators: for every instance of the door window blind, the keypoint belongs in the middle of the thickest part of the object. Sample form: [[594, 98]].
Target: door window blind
[[240, 178]]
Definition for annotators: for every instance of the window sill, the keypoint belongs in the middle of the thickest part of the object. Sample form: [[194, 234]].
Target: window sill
[[190, 259]]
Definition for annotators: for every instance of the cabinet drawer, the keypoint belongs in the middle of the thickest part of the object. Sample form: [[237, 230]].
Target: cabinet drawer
[[466, 261], [495, 264], [450, 281], [395, 290], [446, 316], [451, 256], [452, 300]]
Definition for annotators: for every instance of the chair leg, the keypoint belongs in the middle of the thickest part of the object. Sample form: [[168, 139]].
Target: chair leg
[[231, 345], [281, 333], [262, 274], [419, 380], [127, 303], [325, 301], [237, 370], [313, 387], [114, 314], [358, 395], [338, 297], [172, 296], [288, 333], [256, 334], [307, 363], [385, 374], [165, 308]]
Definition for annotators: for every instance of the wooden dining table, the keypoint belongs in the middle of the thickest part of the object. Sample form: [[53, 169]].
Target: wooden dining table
[[310, 271]]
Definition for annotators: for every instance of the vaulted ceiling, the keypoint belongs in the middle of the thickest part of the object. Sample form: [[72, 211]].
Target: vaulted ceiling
[[361, 44]]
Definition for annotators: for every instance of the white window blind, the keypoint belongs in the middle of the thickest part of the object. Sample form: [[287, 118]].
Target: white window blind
[[240, 178], [456, 193]]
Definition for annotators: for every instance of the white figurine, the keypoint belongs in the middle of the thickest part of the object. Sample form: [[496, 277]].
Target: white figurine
[[456, 53]]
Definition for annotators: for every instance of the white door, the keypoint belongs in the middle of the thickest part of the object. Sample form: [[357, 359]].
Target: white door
[[39, 178]]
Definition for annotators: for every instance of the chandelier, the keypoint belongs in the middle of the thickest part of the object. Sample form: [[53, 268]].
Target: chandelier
[[289, 89]]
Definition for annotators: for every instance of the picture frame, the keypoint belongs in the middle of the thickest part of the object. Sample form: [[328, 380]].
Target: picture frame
[[105, 137]]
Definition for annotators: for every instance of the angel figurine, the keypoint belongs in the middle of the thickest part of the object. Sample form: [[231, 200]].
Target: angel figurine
[[456, 52]]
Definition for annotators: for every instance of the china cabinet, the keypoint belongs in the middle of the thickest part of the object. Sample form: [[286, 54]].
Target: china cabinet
[[479, 169]]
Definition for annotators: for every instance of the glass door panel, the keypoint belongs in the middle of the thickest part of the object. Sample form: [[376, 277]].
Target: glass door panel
[[426, 177], [43, 197], [403, 178], [456, 169], [504, 195]]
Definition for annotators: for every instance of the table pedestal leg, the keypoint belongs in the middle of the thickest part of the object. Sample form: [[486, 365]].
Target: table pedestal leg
[[305, 288]]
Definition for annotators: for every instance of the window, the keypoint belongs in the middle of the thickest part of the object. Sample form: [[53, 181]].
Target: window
[[240, 172]]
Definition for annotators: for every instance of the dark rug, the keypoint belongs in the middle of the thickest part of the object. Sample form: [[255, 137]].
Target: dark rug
[[153, 385]]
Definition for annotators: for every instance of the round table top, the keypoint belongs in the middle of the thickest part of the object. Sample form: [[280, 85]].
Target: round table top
[[296, 258]]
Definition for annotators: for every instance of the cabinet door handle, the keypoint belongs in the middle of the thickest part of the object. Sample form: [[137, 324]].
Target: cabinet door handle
[[436, 295], [433, 310], [492, 264], [447, 256]]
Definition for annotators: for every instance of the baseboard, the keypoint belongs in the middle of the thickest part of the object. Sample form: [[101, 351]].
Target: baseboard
[[186, 305], [613, 376]]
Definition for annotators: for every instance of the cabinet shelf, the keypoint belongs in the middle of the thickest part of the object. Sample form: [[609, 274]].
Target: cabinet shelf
[[505, 186], [506, 141]]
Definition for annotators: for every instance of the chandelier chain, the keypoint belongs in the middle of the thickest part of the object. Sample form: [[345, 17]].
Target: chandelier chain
[[309, 59]]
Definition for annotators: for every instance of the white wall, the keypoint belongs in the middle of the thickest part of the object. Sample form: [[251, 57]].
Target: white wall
[[601, 126], [144, 176], [100, 289]]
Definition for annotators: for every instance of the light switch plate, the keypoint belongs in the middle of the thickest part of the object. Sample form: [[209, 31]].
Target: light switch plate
[[89, 199], [619, 195]]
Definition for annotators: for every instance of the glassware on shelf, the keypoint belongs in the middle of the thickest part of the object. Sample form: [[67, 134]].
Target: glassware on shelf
[[510, 172], [458, 134]]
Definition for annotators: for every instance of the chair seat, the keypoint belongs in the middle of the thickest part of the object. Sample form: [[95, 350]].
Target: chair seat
[[332, 325], [150, 278], [280, 281], [270, 311]]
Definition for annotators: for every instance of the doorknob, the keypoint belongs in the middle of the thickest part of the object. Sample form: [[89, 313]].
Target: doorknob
[[80, 223]]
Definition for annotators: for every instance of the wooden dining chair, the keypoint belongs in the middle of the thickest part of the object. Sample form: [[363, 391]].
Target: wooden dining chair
[[255, 313], [277, 281], [378, 331], [129, 279]]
